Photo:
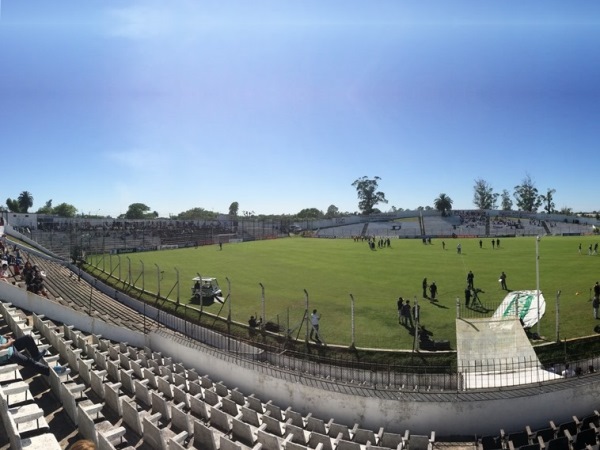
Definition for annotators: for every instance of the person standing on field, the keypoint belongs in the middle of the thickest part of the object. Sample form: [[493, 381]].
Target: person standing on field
[[433, 290], [503, 281], [470, 279], [399, 304], [314, 321]]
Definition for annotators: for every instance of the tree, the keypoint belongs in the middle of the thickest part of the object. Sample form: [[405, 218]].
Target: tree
[[332, 212], [506, 202], [483, 195], [548, 201], [566, 211], [526, 195], [46, 209], [443, 204], [25, 201], [64, 210], [137, 211], [12, 205], [366, 189], [197, 214], [233, 209], [310, 213]]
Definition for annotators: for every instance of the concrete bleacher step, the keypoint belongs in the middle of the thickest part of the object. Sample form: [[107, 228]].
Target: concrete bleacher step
[[78, 294]]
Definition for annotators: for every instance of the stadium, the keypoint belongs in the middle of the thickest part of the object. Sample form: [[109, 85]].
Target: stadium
[[139, 373]]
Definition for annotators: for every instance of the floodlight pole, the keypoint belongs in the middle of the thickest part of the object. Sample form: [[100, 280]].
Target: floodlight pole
[[537, 278]]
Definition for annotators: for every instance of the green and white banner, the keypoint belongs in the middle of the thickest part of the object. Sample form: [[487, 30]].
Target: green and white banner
[[522, 304]]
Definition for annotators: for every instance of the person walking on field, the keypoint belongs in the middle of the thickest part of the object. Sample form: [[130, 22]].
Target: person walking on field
[[424, 287]]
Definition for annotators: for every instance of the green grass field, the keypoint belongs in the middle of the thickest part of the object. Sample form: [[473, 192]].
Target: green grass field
[[332, 269]]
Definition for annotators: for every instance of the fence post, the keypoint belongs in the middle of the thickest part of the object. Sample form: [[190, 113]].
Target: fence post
[[308, 324], [185, 319], [229, 295], [417, 318], [128, 271], [262, 307], [557, 316], [143, 278], [228, 314], [157, 280], [177, 276], [352, 345]]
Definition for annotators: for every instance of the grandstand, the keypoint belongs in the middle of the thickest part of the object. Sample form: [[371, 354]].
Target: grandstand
[[139, 378]]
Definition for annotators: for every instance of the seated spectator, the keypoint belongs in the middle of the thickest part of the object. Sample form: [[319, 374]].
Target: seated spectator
[[36, 282], [568, 372], [27, 273], [15, 354], [5, 273]]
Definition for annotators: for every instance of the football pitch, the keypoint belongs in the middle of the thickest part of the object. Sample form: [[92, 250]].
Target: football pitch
[[326, 272]]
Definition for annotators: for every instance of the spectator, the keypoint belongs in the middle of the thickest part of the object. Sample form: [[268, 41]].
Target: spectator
[[15, 354], [83, 444], [27, 272], [5, 272], [568, 372]]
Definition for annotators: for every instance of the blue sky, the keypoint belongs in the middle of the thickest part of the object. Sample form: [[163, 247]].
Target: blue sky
[[280, 106]]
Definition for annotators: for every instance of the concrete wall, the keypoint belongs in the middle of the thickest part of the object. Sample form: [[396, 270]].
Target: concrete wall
[[451, 413]]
